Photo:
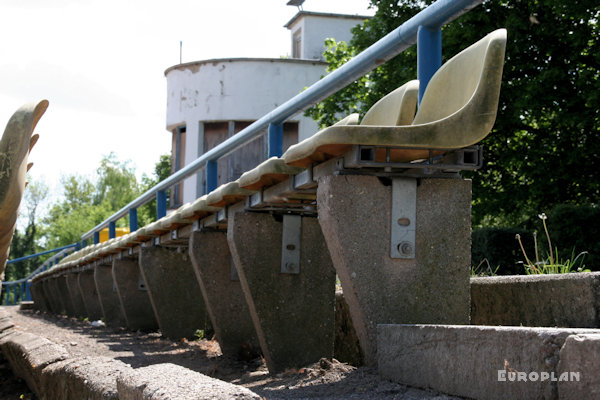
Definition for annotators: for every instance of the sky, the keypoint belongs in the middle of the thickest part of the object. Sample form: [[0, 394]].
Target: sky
[[101, 66]]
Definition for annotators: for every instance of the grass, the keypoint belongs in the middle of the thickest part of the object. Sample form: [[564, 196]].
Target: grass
[[551, 264]]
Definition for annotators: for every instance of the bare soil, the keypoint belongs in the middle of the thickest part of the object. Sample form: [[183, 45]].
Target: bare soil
[[327, 379]]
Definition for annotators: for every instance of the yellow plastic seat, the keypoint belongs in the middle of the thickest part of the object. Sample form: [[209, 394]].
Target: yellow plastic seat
[[458, 109], [228, 193], [268, 173]]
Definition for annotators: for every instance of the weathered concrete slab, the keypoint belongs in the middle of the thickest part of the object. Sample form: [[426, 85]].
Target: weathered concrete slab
[[222, 291], [565, 300], [75, 294], [90, 378], [476, 361], [578, 371], [64, 295], [355, 215], [170, 381], [174, 291], [91, 300], [107, 293], [29, 354], [293, 314], [133, 295]]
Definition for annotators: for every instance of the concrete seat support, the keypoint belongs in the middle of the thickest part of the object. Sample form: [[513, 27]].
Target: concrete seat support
[[174, 291], [91, 300], [51, 298], [293, 314], [222, 292], [133, 295], [432, 287], [63, 291], [75, 293], [39, 297], [107, 293]]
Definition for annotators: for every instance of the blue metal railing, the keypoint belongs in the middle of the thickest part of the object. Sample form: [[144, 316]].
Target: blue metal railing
[[20, 288], [423, 29]]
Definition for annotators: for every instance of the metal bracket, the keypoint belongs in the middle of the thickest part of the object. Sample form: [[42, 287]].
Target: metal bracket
[[290, 244], [404, 218]]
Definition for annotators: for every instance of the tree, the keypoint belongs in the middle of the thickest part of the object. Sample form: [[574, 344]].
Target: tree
[[543, 150], [25, 238]]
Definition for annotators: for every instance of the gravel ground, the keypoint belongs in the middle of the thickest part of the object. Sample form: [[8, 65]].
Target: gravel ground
[[327, 379]]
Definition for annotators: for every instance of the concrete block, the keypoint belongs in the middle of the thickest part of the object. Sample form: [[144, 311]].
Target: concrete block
[[5, 321], [53, 290], [29, 354], [564, 300], [480, 362], [170, 381], [222, 291], [107, 293], [355, 215], [174, 291], [90, 378], [64, 295], [50, 295], [39, 297], [75, 293], [91, 300], [133, 295], [578, 371], [293, 314]]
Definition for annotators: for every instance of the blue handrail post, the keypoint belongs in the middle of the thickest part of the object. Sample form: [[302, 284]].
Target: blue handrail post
[[133, 220], [96, 237], [275, 140], [161, 204], [211, 176], [112, 230], [429, 55], [28, 291], [14, 292]]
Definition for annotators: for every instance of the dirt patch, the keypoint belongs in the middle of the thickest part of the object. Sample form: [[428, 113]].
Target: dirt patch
[[327, 379]]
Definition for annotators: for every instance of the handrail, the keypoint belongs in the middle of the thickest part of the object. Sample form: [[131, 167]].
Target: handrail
[[40, 254], [433, 17], [62, 251]]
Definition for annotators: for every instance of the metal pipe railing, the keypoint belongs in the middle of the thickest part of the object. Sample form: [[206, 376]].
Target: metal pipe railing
[[433, 18]]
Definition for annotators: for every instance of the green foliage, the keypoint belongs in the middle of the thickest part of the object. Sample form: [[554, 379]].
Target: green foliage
[[543, 150]]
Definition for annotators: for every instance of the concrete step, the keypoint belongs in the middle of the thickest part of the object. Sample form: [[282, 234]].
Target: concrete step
[[493, 362]]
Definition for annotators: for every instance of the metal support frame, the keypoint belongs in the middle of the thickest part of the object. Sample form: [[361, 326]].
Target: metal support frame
[[291, 240], [404, 218]]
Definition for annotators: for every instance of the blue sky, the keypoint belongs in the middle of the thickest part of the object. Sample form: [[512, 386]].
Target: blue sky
[[101, 65]]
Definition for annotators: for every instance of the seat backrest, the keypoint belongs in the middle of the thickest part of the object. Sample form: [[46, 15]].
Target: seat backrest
[[474, 72], [396, 108]]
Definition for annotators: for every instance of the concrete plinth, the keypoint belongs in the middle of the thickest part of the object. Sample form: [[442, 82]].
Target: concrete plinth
[[75, 293], [174, 292], [54, 290], [293, 314], [433, 287], [107, 293], [65, 296], [39, 297], [222, 292], [133, 295], [91, 301], [579, 368], [51, 298]]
